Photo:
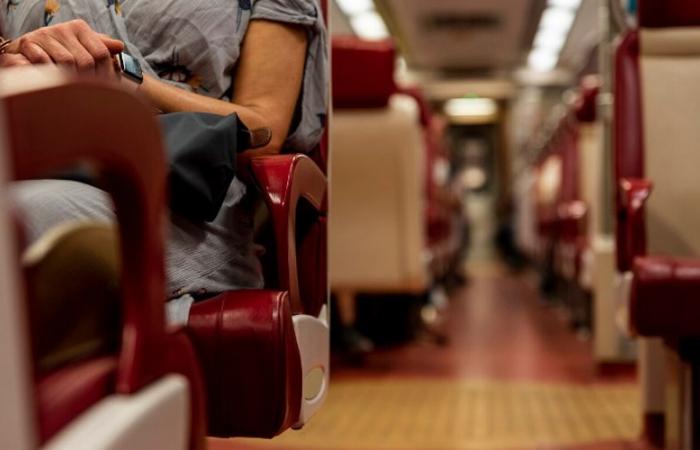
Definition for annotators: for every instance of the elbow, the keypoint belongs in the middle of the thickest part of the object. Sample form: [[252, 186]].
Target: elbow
[[256, 116]]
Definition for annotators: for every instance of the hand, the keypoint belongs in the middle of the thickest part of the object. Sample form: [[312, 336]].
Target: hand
[[73, 44], [13, 60]]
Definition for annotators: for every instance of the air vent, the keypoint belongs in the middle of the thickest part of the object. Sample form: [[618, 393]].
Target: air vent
[[462, 22]]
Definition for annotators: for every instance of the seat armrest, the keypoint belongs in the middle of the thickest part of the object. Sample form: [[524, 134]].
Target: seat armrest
[[572, 219], [633, 195], [284, 180], [665, 299], [117, 134]]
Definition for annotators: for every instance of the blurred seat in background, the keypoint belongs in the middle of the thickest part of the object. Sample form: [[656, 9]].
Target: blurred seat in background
[[657, 99], [378, 240]]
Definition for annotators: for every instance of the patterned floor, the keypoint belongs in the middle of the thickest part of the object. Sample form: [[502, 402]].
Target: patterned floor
[[478, 415], [513, 377]]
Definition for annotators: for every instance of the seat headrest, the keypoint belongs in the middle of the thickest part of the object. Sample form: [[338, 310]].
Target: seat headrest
[[669, 13], [363, 72]]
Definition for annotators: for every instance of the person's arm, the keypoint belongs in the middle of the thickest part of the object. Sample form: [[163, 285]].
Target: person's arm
[[267, 79], [266, 87]]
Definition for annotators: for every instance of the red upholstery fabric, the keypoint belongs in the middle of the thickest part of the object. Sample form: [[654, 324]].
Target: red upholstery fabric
[[572, 217], [586, 103], [633, 195], [628, 144], [248, 350], [568, 138], [666, 297], [363, 72], [66, 393], [669, 13]]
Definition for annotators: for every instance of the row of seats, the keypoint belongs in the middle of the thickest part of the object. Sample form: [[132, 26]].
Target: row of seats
[[561, 192], [645, 276], [656, 105]]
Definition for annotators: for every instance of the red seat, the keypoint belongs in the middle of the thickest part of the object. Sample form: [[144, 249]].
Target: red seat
[[658, 248], [65, 393], [378, 235], [265, 353], [42, 139]]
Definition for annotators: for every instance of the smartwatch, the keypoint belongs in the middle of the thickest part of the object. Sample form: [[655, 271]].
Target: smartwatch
[[130, 67]]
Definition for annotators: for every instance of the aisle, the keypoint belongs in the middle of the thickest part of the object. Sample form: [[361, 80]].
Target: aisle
[[512, 377]]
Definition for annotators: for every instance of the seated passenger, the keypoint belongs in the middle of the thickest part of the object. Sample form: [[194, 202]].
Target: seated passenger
[[264, 60]]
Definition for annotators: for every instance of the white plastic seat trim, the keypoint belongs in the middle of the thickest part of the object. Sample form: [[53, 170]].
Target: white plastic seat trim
[[313, 340], [155, 418]]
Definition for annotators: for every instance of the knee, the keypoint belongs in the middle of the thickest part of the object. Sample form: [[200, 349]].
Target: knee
[[43, 204]]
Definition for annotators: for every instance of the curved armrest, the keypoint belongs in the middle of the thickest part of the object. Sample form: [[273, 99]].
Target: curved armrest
[[283, 181], [633, 195], [665, 300], [572, 219], [53, 122]]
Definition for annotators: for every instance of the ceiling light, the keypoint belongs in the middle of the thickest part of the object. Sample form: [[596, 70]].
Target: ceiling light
[[369, 25], [557, 19], [472, 107], [355, 7], [550, 39], [570, 4], [542, 59]]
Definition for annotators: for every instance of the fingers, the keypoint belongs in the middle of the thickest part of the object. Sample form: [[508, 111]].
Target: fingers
[[13, 60], [57, 51], [113, 45], [34, 52], [94, 44], [73, 44]]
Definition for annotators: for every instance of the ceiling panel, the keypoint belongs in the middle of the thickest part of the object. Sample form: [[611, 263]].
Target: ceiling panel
[[463, 34]]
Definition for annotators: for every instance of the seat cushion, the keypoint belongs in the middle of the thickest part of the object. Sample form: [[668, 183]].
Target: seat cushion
[[665, 300], [65, 393]]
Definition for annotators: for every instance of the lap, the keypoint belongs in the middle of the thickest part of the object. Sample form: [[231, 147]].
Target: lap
[[200, 257]]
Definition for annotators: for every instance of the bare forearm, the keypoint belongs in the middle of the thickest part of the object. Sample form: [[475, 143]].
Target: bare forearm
[[168, 98]]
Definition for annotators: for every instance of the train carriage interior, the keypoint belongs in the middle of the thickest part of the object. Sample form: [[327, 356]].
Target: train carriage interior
[[349, 225]]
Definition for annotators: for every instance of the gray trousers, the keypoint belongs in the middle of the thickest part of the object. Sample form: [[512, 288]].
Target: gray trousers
[[201, 258]]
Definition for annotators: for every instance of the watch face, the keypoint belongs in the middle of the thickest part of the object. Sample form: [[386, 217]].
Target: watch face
[[130, 67]]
